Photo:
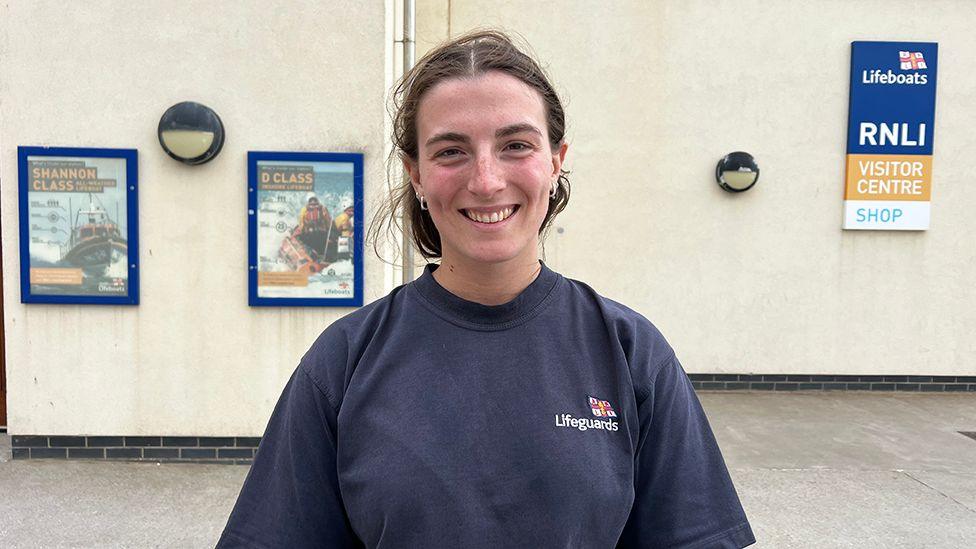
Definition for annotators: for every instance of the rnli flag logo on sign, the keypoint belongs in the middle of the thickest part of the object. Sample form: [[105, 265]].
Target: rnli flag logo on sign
[[911, 60], [601, 408]]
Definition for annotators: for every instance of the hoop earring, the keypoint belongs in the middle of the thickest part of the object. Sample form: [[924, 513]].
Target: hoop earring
[[423, 202], [554, 190]]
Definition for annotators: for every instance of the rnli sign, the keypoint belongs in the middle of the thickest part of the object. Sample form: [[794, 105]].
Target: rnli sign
[[890, 135]]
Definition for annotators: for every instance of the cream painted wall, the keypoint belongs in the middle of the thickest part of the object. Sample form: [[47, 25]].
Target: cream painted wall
[[192, 358], [656, 92], [764, 282]]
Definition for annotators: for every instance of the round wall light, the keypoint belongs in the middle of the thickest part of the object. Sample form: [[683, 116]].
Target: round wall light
[[737, 172], [191, 133]]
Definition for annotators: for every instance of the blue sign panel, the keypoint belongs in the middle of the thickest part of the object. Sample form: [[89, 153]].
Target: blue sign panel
[[889, 136], [892, 109]]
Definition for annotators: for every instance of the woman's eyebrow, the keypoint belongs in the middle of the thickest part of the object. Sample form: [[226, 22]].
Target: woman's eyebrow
[[447, 136], [517, 128], [502, 132]]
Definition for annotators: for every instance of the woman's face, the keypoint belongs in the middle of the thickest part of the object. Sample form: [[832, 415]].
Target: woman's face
[[485, 167]]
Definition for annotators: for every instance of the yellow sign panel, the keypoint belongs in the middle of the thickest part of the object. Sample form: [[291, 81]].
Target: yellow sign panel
[[295, 279], [889, 177], [55, 276]]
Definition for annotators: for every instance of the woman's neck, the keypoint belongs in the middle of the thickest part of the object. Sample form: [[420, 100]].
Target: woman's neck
[[492, 284]]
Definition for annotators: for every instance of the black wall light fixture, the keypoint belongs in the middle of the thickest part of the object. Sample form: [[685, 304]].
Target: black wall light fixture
[[737, 172], [191, 133]]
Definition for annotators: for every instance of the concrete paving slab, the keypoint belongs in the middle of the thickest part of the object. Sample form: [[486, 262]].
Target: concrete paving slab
[[960, 487], [838, 509], [115, 504], [849, 430]]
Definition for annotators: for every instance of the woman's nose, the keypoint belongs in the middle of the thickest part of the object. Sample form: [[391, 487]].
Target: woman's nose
[[487, 178]]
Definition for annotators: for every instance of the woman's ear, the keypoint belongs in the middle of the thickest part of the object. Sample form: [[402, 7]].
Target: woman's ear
[[413, 172], [557, 159]]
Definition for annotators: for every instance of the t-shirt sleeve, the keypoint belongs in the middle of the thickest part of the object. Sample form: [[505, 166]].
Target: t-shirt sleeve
[[684, 496], [291, 495]]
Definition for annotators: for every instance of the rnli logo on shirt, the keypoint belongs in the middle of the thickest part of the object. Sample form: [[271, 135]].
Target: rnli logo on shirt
[[599, 408]]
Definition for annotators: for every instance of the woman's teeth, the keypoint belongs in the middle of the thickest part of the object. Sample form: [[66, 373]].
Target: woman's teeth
[[493, 217]]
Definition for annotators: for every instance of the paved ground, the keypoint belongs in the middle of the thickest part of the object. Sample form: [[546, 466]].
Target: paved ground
[[812, 469], [851, 470]]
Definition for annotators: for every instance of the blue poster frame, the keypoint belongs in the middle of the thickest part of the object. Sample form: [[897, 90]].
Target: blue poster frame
[[356, 159], [130, 156]]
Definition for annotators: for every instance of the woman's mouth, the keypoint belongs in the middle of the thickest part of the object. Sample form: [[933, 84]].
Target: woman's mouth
[[489, 216]]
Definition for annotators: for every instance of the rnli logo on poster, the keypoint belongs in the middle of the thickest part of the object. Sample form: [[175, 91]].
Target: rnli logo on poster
[[601, 408], [911, 60]]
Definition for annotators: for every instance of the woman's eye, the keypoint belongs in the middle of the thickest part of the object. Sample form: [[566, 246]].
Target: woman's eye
[[448, 153], [517, 146]]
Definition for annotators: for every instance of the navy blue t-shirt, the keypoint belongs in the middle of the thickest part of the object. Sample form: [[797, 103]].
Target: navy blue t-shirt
[[559, 419]]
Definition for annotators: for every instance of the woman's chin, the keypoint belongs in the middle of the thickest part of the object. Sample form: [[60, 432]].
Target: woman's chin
[[492, 254]]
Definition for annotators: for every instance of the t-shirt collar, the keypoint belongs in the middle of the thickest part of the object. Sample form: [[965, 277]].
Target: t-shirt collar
[[532, 298]]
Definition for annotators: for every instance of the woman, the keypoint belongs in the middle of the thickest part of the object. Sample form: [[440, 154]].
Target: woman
[[492, 402]]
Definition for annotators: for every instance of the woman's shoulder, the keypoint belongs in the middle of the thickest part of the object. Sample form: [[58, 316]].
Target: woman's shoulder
[[332, 358], [645, 347], [624, 318]]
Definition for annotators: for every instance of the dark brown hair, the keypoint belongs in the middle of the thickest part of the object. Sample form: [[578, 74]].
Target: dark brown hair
[[469, 55]]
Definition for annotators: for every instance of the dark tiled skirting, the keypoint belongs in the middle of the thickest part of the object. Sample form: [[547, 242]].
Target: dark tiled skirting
[[169, 449], [790, 382]]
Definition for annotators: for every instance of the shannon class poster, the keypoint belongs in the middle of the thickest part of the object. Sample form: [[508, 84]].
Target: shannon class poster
[[77, 225]]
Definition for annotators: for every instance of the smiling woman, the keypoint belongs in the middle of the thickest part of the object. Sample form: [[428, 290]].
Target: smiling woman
[[453, 412], [484, 55], [486, 171]]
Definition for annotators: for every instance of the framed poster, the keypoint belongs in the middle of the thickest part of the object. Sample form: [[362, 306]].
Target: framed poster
[[305, 229], [78, 225]]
